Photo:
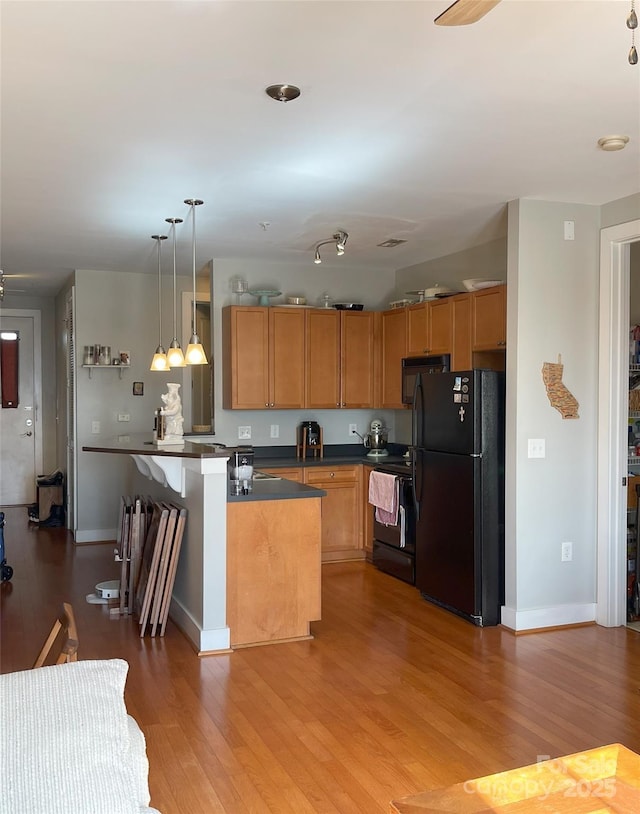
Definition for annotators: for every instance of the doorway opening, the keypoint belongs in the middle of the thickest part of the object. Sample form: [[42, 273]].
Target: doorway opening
[[613, 404]]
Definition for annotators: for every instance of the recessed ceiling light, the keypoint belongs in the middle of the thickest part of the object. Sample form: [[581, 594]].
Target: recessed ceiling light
[[282, 93], [391, 243], [610, 143]]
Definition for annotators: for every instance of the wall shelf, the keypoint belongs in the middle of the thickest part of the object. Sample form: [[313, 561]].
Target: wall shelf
[[119, 368]]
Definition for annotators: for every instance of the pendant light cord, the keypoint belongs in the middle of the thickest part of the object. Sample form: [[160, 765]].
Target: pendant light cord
[[159, 239], [193, 202]]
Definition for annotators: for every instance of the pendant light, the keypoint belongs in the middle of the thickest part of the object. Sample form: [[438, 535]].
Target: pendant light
[[159, 361], [195, 354], [175, 357]]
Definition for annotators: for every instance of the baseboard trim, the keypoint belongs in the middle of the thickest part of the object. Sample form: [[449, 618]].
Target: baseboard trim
[[206, 642], [541, 619], [94, 536]]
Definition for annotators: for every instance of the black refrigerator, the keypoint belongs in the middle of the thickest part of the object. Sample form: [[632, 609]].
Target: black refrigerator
[[458, 436]]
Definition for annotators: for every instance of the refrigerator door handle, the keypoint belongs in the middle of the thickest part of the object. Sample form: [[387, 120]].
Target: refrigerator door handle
[[416, 439], [416, 480], [418, 413], [416, 502]]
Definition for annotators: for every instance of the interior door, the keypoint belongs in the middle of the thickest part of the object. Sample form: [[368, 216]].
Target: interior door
[[18, 425]]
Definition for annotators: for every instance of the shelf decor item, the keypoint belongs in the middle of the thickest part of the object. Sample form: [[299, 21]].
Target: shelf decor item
[[264, 295]]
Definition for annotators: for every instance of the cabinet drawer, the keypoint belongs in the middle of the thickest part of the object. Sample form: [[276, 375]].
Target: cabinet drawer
[[331, 474], [288, 473]]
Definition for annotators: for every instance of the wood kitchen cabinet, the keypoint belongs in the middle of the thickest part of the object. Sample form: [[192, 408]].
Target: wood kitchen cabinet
[[322, 366], [341, 510], [417, 329], [263, 354], [394, 349], [293, 473], [461, 312], [489, 318], [273, 570], [440, 327], [339, 359], [430, 328]]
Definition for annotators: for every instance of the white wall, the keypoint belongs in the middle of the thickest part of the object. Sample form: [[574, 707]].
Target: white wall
[[552, 309], [344, 284], [488, 261], [118, 309]]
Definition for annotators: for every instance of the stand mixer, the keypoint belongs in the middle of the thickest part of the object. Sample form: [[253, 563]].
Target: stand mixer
[[376, 440]]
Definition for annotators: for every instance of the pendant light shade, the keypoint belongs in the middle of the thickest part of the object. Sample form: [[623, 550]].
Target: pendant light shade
[[195, 354], [159, 361], [175, 357]]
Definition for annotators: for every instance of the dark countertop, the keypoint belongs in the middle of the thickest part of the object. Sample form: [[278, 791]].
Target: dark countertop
[[280, 489], [278, 462], [143, 444]]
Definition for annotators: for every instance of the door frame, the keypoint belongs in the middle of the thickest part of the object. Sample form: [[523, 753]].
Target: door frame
[[37, 376], [613, 393]]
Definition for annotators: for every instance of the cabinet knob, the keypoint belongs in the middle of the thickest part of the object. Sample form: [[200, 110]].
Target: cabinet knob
[[332, 474]]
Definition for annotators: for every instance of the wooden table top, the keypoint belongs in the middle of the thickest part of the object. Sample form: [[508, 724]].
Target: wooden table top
[[605, 780]]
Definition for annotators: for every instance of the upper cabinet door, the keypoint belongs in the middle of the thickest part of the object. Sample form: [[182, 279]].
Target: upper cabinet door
[[245, 339], [461, 315], [440, 326], [394, 349], [286, 358], [490, 318], [357, 359], [322, 372], [417, 329]]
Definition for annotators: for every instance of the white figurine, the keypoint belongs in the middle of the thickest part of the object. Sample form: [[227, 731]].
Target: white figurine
[[172, 411]]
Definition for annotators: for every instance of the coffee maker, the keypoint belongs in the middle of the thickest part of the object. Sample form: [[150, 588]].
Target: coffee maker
[[376, 440], [241, 470]]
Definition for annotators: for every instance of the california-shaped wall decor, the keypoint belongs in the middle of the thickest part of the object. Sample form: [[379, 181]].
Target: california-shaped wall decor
[[559, 396]]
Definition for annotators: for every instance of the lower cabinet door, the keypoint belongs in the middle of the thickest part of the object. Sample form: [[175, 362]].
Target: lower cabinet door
[[341, 511]]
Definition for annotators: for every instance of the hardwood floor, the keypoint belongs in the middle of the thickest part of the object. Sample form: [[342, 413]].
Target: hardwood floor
[[393, 696]]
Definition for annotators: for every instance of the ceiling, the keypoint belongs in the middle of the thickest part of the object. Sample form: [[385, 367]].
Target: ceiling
[[114, 112]]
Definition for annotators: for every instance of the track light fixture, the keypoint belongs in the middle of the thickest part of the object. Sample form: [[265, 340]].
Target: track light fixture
[[339, 239]]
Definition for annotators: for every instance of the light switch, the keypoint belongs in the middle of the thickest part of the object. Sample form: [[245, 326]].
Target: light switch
[[536, 448]]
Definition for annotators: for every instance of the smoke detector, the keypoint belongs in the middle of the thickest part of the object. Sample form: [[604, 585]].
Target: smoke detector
[[610, 143]]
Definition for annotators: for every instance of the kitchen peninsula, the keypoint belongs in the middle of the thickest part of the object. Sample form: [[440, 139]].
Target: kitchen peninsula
[[249, 569]]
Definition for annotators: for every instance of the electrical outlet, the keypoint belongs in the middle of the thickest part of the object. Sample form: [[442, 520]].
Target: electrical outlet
[[124, 417], [275, 431], [95, 428], [353, 429], [566, 552], [244, 433]]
